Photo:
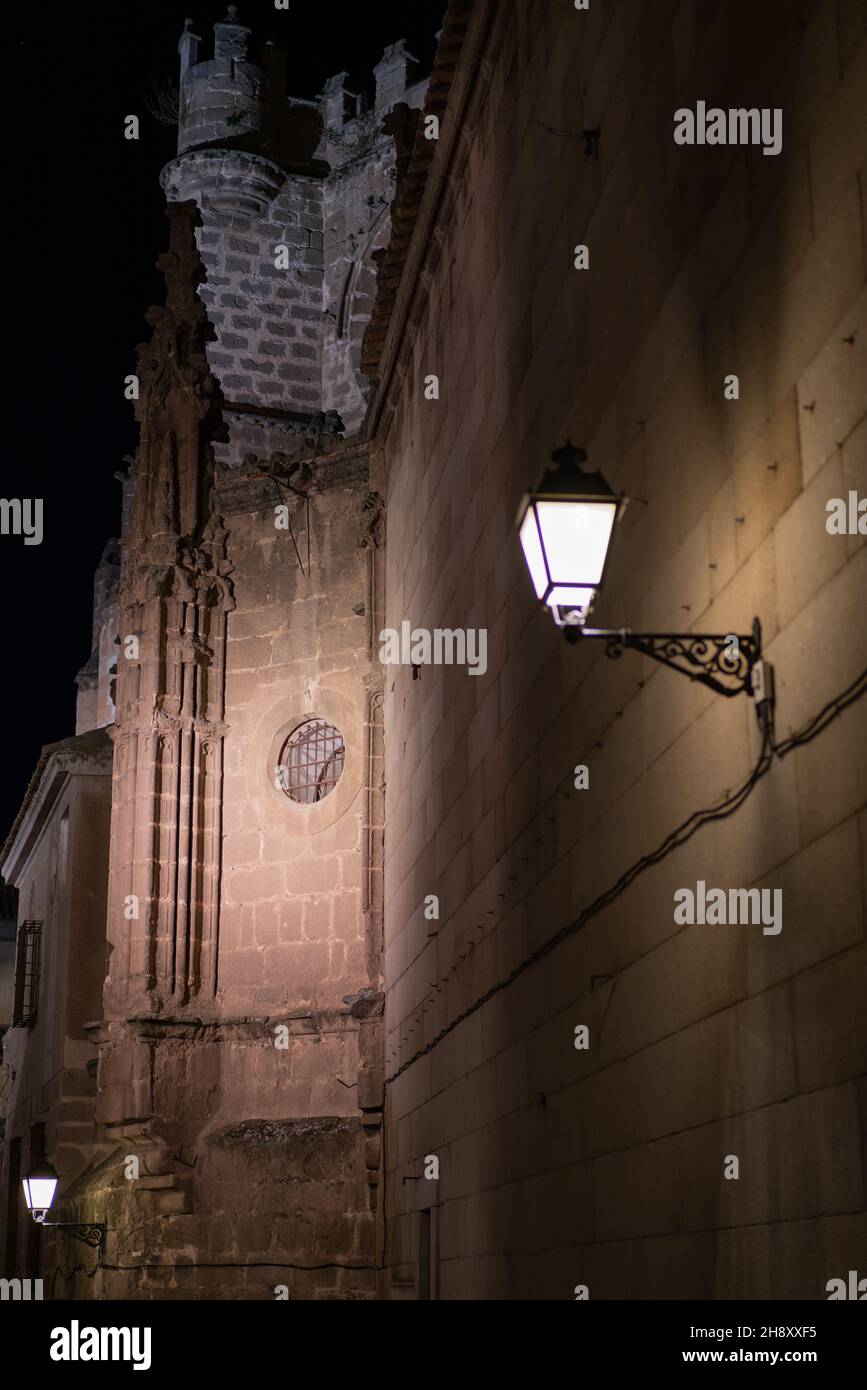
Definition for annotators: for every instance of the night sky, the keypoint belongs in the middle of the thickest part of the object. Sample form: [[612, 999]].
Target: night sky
[[84, 225]]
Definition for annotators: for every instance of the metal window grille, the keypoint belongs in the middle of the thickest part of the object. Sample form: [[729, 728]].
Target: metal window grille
[[27, 974], [312, 759]]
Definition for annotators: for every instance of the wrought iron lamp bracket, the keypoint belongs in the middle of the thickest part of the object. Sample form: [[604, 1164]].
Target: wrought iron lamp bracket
[[724, 663], [89, 1233]]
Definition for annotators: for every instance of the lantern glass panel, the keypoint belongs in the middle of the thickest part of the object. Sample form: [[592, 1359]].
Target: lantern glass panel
[[576, 537], [532, 547], [39, 1193]]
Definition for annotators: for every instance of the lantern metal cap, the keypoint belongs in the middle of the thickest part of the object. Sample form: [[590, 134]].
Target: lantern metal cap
[[41, 1169], [566, 480], [566, 477]]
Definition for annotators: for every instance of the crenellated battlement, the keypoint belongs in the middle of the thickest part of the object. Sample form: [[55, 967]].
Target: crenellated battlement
[[294, 196], [238, 97]]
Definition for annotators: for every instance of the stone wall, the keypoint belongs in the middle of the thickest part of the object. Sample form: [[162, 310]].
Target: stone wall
[[292, 924], [561, 1167], [240, 1046], [295, 197], [268, 320], [243, 1001], [356, 224], [357, 197]]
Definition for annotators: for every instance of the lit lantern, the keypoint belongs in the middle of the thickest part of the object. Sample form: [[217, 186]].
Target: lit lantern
[[40, 1185], [39, 1188], [565, 528]]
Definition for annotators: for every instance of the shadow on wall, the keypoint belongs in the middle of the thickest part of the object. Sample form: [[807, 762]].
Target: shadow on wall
[[683, 293]]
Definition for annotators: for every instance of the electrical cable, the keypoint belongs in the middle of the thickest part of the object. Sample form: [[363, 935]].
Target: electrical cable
[[824, 717], [67, 1275], [672, 841], [282, 482]]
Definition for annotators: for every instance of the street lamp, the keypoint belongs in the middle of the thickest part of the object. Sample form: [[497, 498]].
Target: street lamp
[[566, 527], [40, 1186]]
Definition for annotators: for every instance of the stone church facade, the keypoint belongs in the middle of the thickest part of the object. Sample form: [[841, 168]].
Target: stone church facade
[[231, 1070], [353, 914]]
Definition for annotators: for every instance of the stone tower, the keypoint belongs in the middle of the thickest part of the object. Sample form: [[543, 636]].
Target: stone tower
[[240, 1082], [295, 197]]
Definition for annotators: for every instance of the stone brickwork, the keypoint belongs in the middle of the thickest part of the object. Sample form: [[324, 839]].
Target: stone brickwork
[[240, 1050], [295, 197], [268, 320], [300, 1065], [293, 928], [561, 1167], [241, 1027], [356, 225], [357, 198], [266, 1188]]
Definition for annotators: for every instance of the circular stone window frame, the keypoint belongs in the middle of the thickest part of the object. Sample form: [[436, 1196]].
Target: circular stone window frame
[[344, 714]]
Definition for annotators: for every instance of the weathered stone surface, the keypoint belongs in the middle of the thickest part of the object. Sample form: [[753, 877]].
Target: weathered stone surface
[[271, 974], [703, 262]]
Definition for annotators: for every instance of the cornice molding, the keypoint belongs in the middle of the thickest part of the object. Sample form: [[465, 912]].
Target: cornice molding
[[36, 811], [459, 117]]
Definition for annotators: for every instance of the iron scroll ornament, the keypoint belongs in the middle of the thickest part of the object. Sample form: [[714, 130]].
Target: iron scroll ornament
[[725, 663], [89, 1233]]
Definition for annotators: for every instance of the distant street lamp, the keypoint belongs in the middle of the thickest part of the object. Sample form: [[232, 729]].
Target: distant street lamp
[[566, 527], [39, 1189], [40, 1186]]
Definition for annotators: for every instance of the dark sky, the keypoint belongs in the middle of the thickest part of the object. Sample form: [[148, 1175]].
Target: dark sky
[[84, 223]]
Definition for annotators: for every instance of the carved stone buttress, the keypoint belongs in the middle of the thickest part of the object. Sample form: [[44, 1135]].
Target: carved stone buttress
[[174, 595]]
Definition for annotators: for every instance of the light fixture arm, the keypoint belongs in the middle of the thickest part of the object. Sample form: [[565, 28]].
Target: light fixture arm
[[725, 663], [91, 1233]]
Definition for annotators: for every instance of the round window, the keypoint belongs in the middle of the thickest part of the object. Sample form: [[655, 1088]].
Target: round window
[[311, 761]]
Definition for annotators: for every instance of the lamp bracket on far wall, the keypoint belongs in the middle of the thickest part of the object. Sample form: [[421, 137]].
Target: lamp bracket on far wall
[[725, 663]]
